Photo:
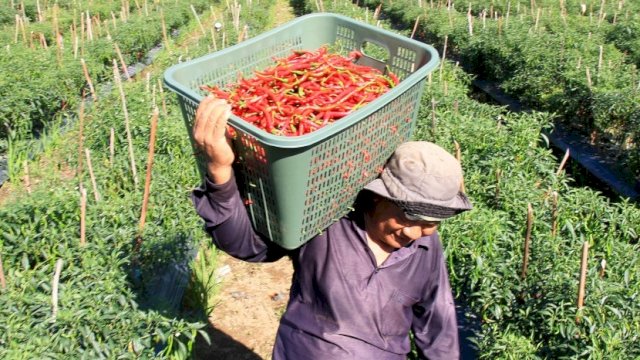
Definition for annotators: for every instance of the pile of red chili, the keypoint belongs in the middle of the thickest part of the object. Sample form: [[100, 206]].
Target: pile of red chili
[[304, 91]]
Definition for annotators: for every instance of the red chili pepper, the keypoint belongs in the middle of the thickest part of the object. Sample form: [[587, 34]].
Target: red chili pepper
[[304, 91]]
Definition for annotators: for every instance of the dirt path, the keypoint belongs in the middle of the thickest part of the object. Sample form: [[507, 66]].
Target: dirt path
[[248, 308]]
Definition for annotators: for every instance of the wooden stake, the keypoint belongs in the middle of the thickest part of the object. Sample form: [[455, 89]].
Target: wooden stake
[[589, 84], [164, 103], [583, 276], [123, 100], [415, 25], [88, 78], [600, 61], [3, 281], [527, 241], [147, 182], [470, 20], [54, 290], [204, 33], [444, 55], [27, 181], [96, 195], [165, 38], [603, 265], [15, 39], [213, 40], [554, 213], [112, 146], [563, 162], [89, 27], [122, 63], [80, 138], [83, 214], [40, 17]]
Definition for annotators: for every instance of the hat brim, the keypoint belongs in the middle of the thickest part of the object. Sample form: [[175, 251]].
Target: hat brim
[[425, 208]]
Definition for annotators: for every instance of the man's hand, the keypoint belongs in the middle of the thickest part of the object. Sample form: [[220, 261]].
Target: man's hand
[[209, 130]]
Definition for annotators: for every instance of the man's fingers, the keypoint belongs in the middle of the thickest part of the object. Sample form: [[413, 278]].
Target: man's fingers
[[221, 124], [207, 115], [214, 115]]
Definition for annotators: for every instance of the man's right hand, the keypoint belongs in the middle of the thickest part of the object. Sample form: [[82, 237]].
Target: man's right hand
[[209, 130]]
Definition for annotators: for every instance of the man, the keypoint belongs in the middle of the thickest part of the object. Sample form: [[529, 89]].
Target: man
[[369, 279]]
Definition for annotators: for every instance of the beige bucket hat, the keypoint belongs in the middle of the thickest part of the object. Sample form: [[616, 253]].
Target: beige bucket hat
[[424, 180]]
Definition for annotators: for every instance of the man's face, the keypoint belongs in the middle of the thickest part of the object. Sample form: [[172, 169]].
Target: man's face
[[388, 226]]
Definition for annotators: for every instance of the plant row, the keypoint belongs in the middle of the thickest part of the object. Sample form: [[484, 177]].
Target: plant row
[[66, 299], [527, 305], [54, 57], [581, 67]]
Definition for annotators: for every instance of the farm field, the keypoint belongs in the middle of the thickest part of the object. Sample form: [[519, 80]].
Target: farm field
[[98, 238]]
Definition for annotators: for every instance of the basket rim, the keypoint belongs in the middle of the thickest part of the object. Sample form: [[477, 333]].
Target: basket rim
[[329, 130]]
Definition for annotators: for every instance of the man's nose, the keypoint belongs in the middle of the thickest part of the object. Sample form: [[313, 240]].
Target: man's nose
[[412, 232]]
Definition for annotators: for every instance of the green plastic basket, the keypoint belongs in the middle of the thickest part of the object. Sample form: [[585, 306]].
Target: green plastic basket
[[295, 187]]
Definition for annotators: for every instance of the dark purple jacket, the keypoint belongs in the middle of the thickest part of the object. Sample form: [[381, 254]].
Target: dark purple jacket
[[341, 305]]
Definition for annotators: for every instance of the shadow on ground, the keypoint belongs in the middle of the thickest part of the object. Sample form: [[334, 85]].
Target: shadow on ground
[[222, 347]]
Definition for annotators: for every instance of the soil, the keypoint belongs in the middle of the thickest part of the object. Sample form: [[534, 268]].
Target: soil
[[248, 308]]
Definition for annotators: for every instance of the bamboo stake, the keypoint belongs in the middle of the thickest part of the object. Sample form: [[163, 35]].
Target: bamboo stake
[[23, 30], [164, 102], [96, 195], [603, 265], [126, 122], [563, 162], [147, 182], [27, 181], [15, 39], [600, 61], [83, 215], [89, 27], [43, 41], [40, 17], [470, 20], [54, 290], [444, 55], [213, 40], [80, 138], [527, 241], [3, 281], [589, 84], [415, 26], [583, 276], [165, 38], [506, 19], [88, 78], [112, 144], [75, 46], [204, 33], [554, 214], [122, 63]]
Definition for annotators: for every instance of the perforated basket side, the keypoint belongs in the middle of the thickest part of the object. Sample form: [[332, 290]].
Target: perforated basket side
[[343, 164]]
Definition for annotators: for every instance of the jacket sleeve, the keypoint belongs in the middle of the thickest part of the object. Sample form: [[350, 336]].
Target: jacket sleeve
[[227, 221], [434, 324]]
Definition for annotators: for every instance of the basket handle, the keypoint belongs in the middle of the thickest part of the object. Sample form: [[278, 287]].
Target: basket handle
[[374, 54]]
